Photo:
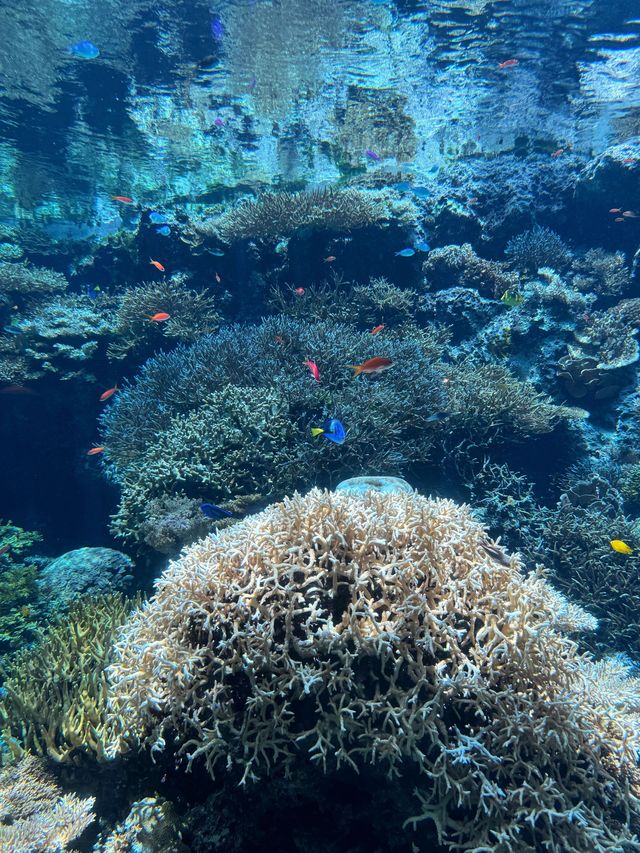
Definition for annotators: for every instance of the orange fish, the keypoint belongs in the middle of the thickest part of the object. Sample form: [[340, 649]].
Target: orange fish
[[278, 339], [629, 214], [616, 210], [313, 367], [95, 450], [122, 198], [160, 317], [619, 219], [217, 278], [372, 365], [156, 264], [558, 152], [108, 393], [508, 63], [299, 291], [377, 329], [330, 259]]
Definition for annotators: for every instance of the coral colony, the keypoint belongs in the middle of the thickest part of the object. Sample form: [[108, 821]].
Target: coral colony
[[319, 428]]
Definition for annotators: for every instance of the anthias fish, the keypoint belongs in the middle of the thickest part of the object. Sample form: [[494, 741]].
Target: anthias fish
[[95, 450], [156, 264], [508, 63], [372, 365], [108, 393], [123, 199], [377, 329], [160, 317], [313, 367]]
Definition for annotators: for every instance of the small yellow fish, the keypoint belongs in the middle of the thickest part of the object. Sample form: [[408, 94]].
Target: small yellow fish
[[512, 298], [620, 546]]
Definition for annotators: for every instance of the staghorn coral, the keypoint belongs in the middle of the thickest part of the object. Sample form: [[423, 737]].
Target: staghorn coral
[[152, 826], [347, 631], [54, 700], [539, 247], [600, 272], [460, 266], [19, 606], [192, 313], [35, 815], [274, 215]]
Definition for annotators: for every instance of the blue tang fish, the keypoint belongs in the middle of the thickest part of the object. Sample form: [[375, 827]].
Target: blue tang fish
[[406, 253], [332, 430], [215, 512], [84, 50], [164, 230]]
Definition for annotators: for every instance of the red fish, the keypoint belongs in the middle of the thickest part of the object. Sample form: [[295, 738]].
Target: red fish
[[278, 339], [377, 329], [156, 264], [330, 259], [4, 549], [160, 317], [108, 393], [616, 210], [629, 214], [122, 198], [557, 153], [299, 291], [95, 450], [508, 63], [628, 160], [313, 367], [372, 365]]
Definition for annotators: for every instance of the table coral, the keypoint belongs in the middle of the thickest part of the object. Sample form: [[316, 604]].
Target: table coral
[[386, 629]]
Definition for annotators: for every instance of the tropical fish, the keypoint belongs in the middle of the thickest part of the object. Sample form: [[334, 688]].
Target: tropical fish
[[619, 219], [628, 160], [18, 391], [422, 246], [217, 27], [108, 393], [436, 417], [299, 291], [217, 277], [512, 298], [616, 210], [217, 252], [495, 552], [95, 450], [313, 367], [219, 122], [508, 63], [403, 186], [371, 154], [620, 547], [332, 430], [421, 192], [156, 264], [124, 199], [377, 329], [4, 549], [557, 153], [213, 511], [157, 218], [160, 317], [84, 50], [406, 253], [372, 365], [164, 230], [329, 259], [629, 214], [278, 339]]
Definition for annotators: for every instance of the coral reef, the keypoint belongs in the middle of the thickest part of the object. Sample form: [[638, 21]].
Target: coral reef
[[374, 119], [85, 571], [539, 247], [35, 814], [25, 281], [386, 630], [151, 826], [602, 273], [19, 606], [280, 214], [55, 694], [460, 266], [192, 313]]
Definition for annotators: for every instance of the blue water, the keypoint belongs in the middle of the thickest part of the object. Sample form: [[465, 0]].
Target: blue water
[[210, 213]]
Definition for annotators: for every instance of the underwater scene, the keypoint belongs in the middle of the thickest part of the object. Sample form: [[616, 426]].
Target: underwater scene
[[319, 426]]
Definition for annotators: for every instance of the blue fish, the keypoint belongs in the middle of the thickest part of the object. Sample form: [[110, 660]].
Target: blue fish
[[403, 186], [217, 252], [421, 192], [217, 27], [157, 218], [333, 431], [421, 246], [216, 512], [164, 230], [406, 253], [84, 50]]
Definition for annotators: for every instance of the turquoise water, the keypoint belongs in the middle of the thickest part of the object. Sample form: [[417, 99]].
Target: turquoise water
[[319, 425]]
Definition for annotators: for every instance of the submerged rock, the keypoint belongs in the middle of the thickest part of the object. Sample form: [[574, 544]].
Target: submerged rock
[[360, 485], [85, 571]]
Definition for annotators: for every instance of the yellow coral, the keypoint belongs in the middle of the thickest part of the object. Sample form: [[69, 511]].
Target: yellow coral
[[385, 629]]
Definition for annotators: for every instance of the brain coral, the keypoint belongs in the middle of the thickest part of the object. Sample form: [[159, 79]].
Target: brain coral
[[385, 629]]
